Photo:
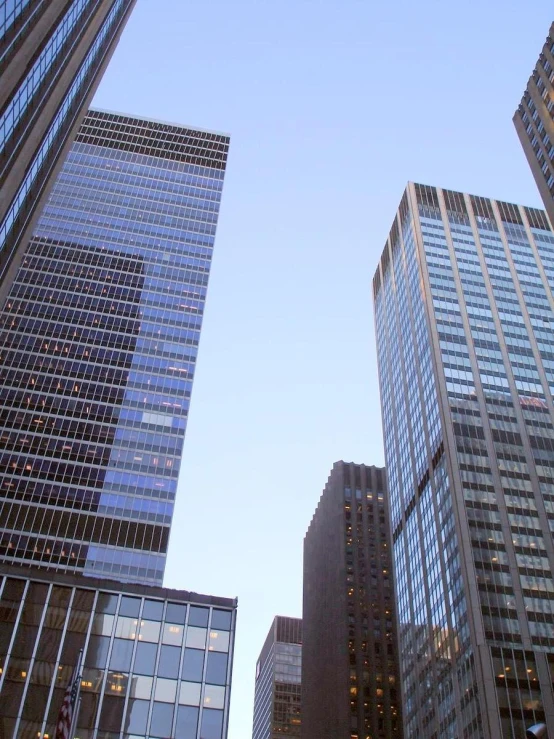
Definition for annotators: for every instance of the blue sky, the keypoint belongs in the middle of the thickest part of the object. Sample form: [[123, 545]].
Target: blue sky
[[332, 107]]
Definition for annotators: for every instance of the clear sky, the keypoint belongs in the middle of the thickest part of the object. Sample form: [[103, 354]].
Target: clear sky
[[332, 106]]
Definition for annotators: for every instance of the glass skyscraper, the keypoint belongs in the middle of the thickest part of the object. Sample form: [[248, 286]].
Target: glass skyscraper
[[98, 342], [52, 56], [464, 310], [534, 122], [277, 697]]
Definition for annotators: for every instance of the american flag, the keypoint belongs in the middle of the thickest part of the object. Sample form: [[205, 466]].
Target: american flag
[[65, 716]]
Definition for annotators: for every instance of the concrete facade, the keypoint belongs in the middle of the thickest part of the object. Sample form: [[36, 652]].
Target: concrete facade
[[350, 677]]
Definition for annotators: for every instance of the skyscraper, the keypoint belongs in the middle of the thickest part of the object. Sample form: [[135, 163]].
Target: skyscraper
[[464, 308], [98, 343], [53, 54], [278, 675], [534, 122], [350, 676]]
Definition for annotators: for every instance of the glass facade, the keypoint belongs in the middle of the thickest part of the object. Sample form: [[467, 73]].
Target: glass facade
[[63, 48], [98, 343], [157, 663], [278, 677], [534, 121], [464, 304]]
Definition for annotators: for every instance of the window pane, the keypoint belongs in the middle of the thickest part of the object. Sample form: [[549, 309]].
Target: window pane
[[173, 634], [168, 665], [162, 718], [116, 684], [221, 620], [112, 713], [193, 665], [145, 659], [198, 616], [129, 606], [196, 637], [189, 694], [97, 652], [216, 670], [102, 624], [137, 715], [187, 722], [121, 655], [149, 631], [153, 609], [219, 641], [141, 687], [126, 628], [92, 680], [175, 613], [166, 690], [212, 724], [106, 603], [214, 696]]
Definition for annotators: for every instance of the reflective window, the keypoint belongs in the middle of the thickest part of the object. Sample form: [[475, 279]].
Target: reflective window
[[214, 696], [145, 659], [198, 616], [106, 603], [162, 718], [91, 680], [149, 631], [137, 716], [175, 613], [219, 641], [129, 606], [193, 665], [187, 722], [189, 694], [112, 713], [173, 634], [216, 670], [126, 628], [122, 651], [212, 724], [117, 683], [221, 620], [196, 638], [102, 624], [166, 690], [168, 665], [97, 652], [153, 609], [141, 687]]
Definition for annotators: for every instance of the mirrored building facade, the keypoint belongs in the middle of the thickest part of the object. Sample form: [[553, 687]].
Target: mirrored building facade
[[157, 662], [464, 309], [98, 342], [534, 122], [53, 54], [277, 699]]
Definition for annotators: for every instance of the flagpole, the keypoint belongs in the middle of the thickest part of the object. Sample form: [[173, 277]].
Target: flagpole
[[75, 716]]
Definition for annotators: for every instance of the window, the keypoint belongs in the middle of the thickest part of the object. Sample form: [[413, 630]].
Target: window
[[162, 718], [212, 724], [169, 662], [216, 669], [193, 665], [198, 616], [196, 637]]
